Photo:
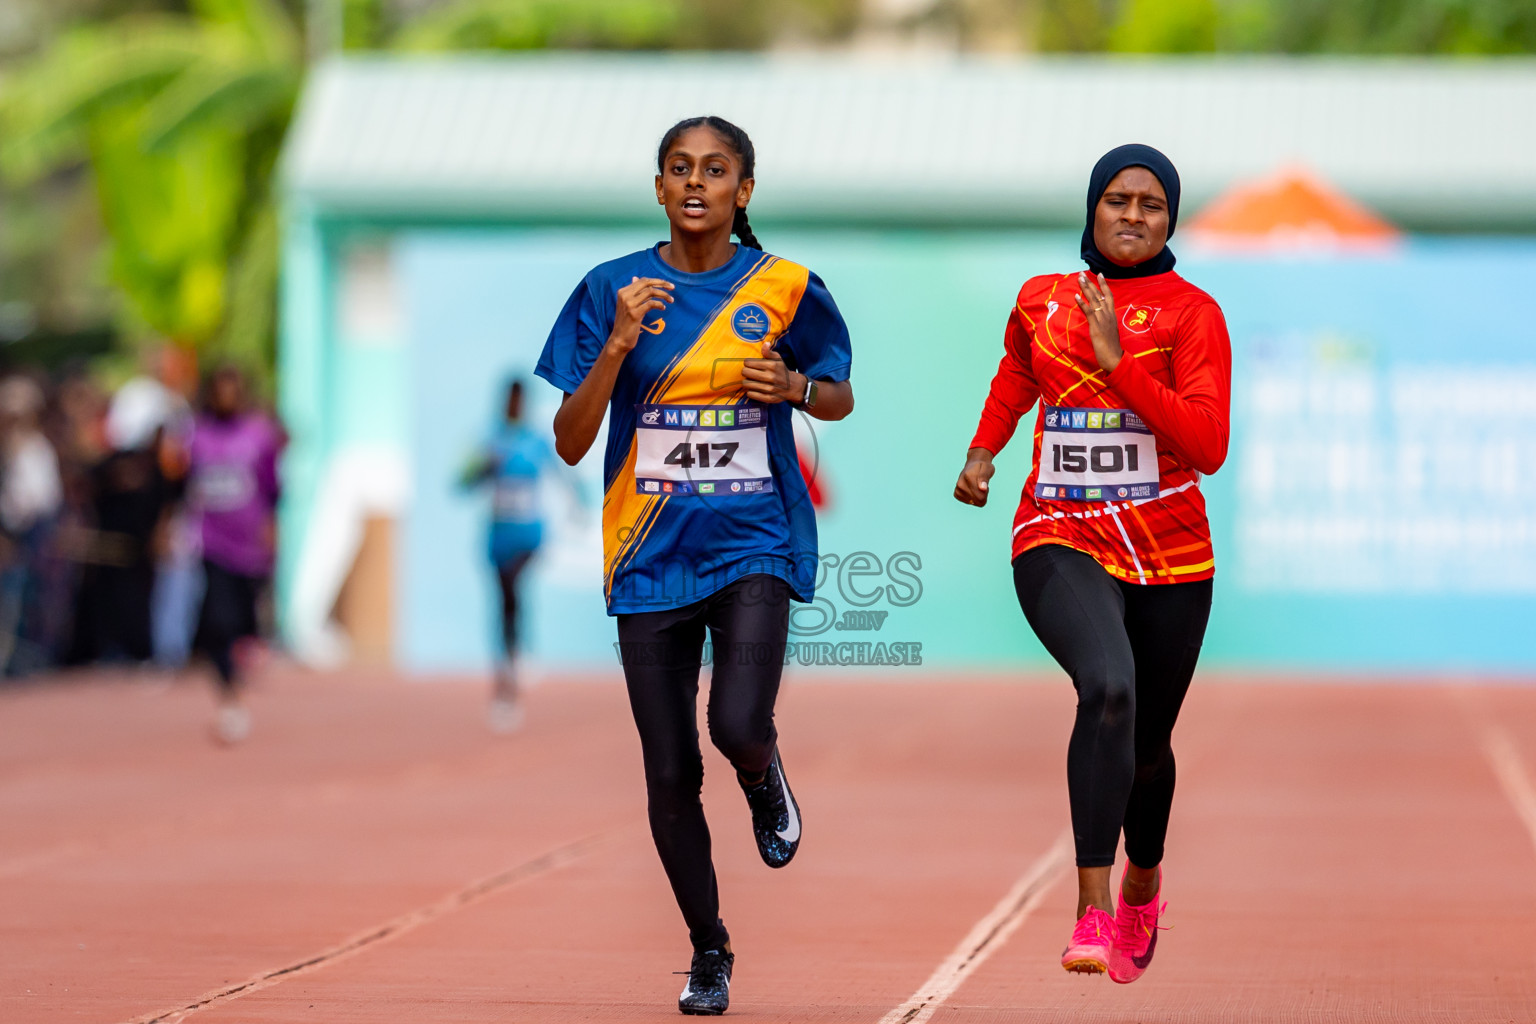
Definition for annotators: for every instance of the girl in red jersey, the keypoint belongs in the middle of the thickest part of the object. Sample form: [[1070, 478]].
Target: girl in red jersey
[[1112, 553]]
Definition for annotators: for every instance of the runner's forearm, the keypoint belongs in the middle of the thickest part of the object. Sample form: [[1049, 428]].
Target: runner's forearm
[[581, 413]]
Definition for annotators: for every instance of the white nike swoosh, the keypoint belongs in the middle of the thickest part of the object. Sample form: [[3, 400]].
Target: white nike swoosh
[[688, 988], [791, 834]]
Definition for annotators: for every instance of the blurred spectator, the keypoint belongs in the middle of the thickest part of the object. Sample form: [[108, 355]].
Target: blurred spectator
[[31, 495], [233, 492], [178, 569], [76, 425], [76, 428], [131, 497]]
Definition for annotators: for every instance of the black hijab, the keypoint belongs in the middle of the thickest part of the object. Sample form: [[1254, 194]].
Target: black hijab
[[1109, 165]]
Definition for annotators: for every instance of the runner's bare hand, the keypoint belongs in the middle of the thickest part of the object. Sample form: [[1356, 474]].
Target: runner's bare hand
[[635, 301], [769, 380], [1097, 304], [972, 487]]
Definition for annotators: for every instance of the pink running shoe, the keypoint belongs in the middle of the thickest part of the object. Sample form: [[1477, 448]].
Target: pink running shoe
[[1092, 942], [1135, 936]]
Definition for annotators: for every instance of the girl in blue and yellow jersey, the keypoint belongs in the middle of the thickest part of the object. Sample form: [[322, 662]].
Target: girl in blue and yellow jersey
[[699, 350]]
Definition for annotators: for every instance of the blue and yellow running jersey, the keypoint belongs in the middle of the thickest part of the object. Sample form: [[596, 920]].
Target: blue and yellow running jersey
[[701, 486]]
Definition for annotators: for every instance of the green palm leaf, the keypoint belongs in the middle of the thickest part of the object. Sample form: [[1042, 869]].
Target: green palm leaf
[[180, 119], [267, 28], [236, 97], [49, 103], [249, 326], [536, 24]]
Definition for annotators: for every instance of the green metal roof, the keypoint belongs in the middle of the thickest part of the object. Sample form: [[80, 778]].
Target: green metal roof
[[848, 139]]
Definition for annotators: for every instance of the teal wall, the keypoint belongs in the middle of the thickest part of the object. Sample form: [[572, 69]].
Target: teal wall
[[307, 284], [1378, 508], [1365, 544], [926, 310]]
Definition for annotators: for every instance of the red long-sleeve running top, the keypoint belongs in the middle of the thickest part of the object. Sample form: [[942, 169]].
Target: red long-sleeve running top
[[1176, 375]]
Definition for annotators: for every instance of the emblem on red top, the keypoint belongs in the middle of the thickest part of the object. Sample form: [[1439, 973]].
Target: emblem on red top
[[1138, 319]]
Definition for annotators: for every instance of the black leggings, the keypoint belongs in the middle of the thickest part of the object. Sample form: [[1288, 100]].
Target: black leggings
[[748, 623], [1131, 652], [507, 574], [229, 614]]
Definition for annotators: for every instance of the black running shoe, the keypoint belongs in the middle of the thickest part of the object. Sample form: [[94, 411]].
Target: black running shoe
[[708, 991], [775, 815]]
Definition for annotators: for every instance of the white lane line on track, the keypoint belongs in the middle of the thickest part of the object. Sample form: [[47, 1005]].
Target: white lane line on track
[[1512, 774], [559, 857], [989, 935]]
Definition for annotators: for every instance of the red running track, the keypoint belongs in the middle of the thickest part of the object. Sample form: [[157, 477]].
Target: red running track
[[1340, 852]]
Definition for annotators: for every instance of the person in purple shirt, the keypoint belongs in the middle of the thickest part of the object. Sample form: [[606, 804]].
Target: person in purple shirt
[[233, 491]]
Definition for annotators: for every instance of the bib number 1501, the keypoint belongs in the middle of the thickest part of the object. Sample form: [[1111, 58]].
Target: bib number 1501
[[1095, 455], [1098, 458]]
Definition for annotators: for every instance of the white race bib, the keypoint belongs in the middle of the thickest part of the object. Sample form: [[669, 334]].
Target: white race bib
[[224, 487], [516, 500], [701, 450], [1095, 455]]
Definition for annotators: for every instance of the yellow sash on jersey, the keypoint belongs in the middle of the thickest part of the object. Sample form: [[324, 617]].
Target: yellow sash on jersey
[[708, 372]]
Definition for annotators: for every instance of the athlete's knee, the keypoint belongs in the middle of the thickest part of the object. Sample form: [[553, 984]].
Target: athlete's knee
[[1107, 692], [674, 785], [746, 742]]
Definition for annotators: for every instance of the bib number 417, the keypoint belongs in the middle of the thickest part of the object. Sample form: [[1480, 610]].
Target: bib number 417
[[1098, 458], [683, 455]]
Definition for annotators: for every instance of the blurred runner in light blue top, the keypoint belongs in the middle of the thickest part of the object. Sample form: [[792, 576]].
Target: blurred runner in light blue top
[[511, 465]]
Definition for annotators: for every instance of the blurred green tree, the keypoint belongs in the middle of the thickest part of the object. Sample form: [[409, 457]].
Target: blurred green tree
[[178, 108], [1165, 26], [1369, 27], [55, 298], [180, 119], [544, 24], [1074, 26], [1380, 26], [617, 24]]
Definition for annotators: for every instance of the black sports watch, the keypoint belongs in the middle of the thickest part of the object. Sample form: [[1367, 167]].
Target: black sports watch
[[808, 401]]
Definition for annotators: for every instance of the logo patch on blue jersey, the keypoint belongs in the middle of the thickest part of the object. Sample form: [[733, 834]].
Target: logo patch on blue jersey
[[750, 322]]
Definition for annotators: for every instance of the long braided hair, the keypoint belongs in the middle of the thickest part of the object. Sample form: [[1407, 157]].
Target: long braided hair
[[737, 140]]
